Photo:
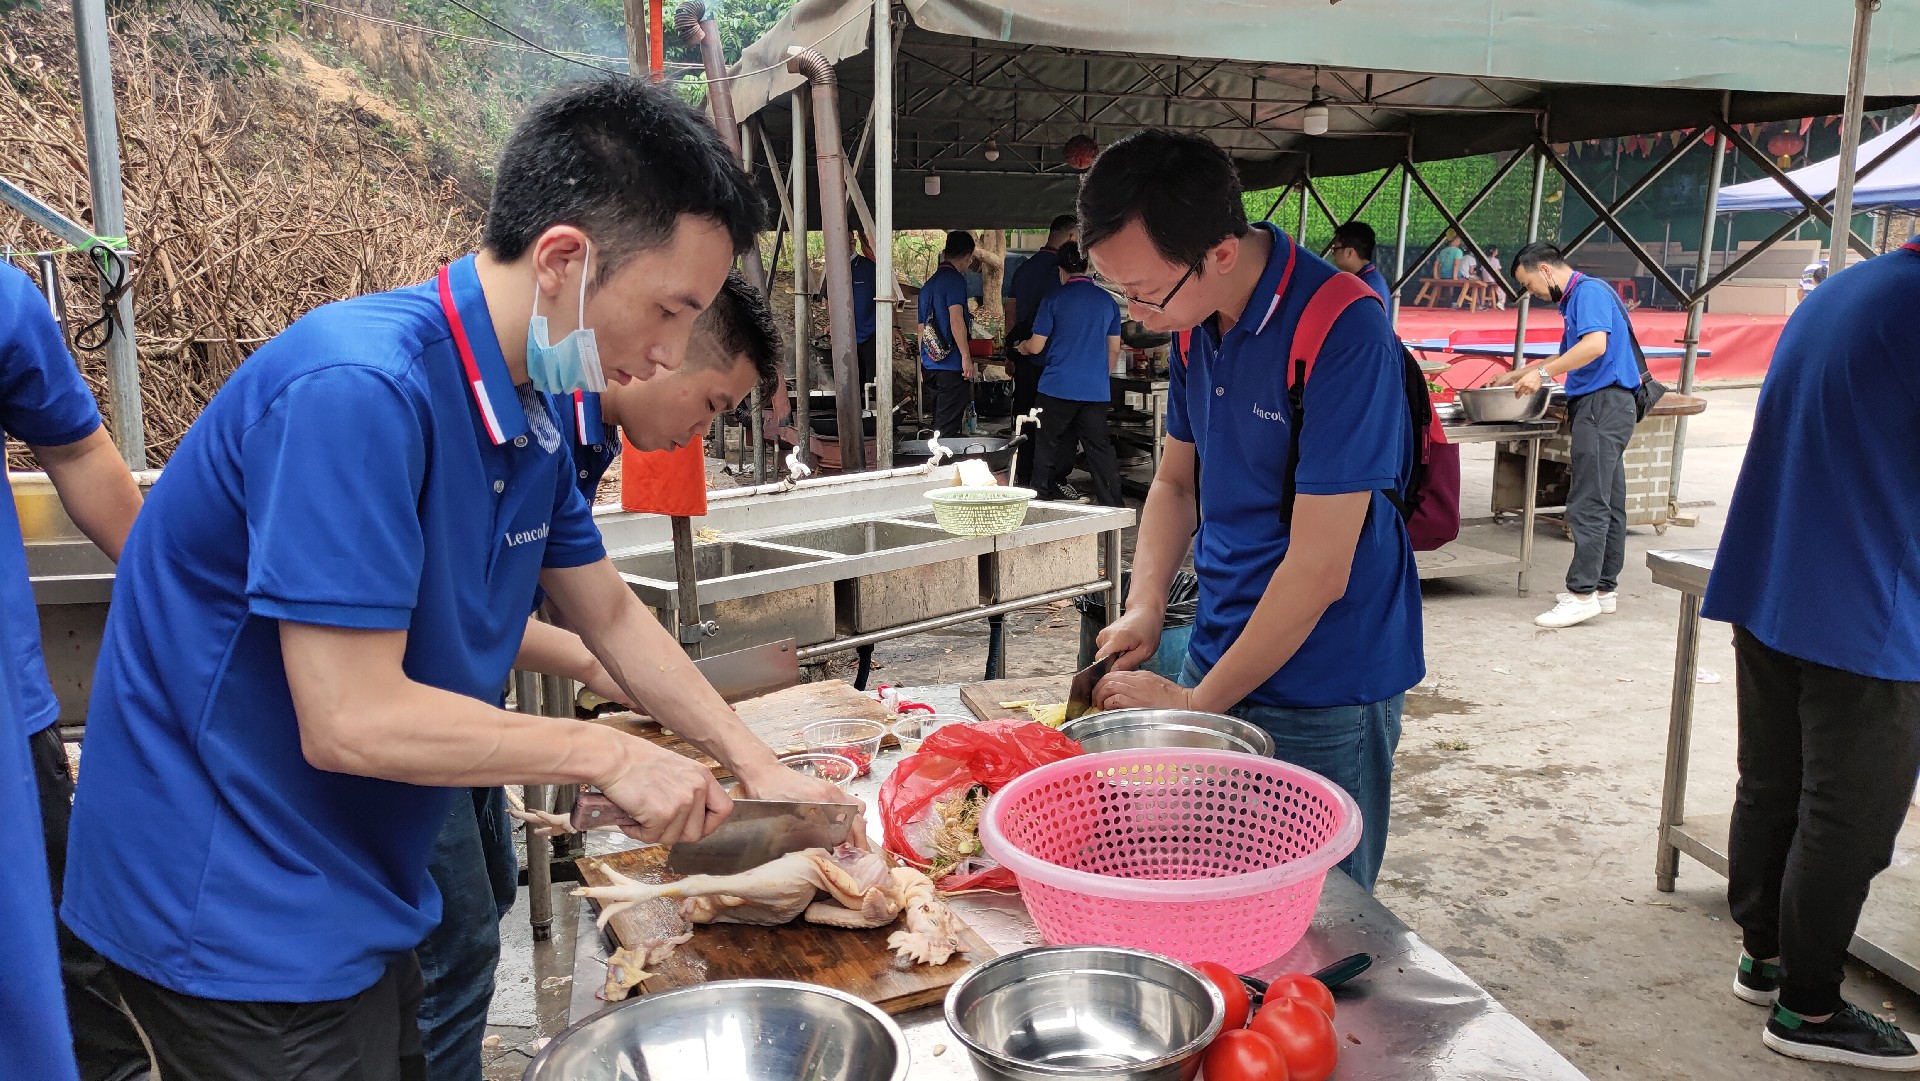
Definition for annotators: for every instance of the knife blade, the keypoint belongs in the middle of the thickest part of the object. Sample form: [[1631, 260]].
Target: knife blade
[[757, 832], [1080, 692]]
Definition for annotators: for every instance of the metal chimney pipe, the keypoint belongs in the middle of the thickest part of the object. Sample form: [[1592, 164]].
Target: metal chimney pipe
[[697, 27], [833, 226]]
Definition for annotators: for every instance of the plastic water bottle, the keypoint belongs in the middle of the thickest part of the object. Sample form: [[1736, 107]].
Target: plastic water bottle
[[971, 426]]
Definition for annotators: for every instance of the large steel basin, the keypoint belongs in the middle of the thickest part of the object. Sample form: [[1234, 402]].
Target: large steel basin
[[895, 572], [755, 592]]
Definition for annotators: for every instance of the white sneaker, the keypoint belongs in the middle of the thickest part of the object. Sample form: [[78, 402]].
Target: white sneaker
[[1569, 611], [1608, 601]]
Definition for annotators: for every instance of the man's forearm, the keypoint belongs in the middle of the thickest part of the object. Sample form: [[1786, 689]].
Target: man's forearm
[[95, 488], [1582, 354], [554, 651], [1167, 523]]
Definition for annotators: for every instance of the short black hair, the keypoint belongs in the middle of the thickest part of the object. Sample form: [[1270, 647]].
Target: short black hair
[[1536, 255], [1061, 224], [959, 242], [1359, 236], [1182, 189], [739, 324], [1071, 258], [622, 159]]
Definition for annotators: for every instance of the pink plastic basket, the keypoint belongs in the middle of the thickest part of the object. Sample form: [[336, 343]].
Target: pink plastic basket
[[1200, 855]]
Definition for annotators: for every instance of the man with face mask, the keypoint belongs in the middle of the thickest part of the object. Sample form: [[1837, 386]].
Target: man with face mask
[[322, 598], [1596, 357]]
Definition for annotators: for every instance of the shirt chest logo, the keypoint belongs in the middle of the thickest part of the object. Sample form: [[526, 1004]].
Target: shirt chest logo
[[528, 536], [1269, 414]]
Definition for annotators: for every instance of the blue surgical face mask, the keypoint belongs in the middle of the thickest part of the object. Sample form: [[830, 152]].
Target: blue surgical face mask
[[573, 363]]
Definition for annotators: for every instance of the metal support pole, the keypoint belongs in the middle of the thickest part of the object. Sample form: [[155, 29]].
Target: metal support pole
[[802, 332], [885, 288], [1850, 135], [1306, 195], [1400, 240], [109, 220], [1673, 792], [686, 573], [1696, 312], [1533, 234], [526, 695], [830, 160]]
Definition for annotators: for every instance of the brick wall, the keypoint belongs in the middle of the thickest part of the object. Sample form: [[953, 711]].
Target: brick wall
[[1649, 463]]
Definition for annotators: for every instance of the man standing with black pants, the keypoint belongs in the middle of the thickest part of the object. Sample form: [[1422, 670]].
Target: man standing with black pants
[[944, 342], [1596, 356], [1077, 330], [1033, 283], [1818, 573]]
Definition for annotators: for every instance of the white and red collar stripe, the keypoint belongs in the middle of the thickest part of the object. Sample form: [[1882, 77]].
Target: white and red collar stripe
[[490, 387]]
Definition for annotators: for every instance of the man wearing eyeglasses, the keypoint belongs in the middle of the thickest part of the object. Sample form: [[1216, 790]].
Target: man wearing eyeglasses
[[1308, 625], [1352, 251]]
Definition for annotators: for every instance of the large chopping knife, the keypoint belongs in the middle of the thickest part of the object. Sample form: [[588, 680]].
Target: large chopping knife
[[757, 832], [1080, 692]]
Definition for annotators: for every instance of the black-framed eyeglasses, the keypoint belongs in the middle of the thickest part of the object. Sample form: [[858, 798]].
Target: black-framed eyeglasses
[[1165, 300]]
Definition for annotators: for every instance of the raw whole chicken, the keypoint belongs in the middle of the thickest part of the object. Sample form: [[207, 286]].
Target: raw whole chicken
[[862, 890]]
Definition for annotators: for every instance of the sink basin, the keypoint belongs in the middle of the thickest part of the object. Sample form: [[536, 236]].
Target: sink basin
[[861, 538], [711, 561], [893, 574], [756, 592]]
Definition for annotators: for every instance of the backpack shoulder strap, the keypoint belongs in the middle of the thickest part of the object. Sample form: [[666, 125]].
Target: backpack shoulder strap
[[1184, 341], [1324, 308]]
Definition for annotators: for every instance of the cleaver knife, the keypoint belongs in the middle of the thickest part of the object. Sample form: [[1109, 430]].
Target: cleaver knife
[[757, 832], [1080, 692]]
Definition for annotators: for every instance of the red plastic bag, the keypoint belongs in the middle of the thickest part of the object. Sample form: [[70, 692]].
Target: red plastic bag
[[952, 760]]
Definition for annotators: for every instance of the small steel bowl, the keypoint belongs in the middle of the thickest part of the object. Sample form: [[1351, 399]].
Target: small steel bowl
[[1094, 1012], [1499, 405], [1131, 729], [733, 1030]]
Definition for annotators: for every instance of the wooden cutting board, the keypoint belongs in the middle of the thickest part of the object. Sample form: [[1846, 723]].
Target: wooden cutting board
[[776, 718], [984, 698], [857, 962]]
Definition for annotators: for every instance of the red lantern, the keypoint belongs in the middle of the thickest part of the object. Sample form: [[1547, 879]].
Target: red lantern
[[1080, 151], [1786, 144]]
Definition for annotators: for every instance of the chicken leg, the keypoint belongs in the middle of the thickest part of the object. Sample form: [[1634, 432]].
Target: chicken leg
[[771, 894]]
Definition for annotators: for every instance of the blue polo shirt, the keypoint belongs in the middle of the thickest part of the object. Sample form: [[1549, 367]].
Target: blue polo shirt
[[43, 402], [594, 449], [947, 288], [358, 472], [1589, 304], [33, 1010], [1077, 320], [1378, 283], [1819, 558], [865, 274], [1230, 401], [1037, 278]]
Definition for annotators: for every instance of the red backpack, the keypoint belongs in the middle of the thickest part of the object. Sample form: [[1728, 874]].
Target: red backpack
[[1430, 505]]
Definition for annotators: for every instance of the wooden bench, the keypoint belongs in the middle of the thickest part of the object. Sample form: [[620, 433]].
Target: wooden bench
[[1433, 291]]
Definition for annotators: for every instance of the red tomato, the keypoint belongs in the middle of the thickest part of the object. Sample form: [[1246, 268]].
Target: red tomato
[[1304, 988], [1243, 1055], [1231, 989], [1304, 1035]]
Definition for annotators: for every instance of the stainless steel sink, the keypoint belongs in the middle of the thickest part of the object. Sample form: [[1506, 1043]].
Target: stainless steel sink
[[861, 538], [895, 572], [750, 589]]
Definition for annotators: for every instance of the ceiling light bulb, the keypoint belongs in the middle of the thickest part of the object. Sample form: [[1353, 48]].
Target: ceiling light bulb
[[932, 184], [1314, 120], [993, 149]]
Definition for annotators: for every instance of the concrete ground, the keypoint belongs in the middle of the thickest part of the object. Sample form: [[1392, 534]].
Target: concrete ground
[[1526, 796]]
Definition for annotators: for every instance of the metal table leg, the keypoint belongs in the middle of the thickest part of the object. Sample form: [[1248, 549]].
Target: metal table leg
[[1527, 509], [540, 867], [1673, 793], [1158, 400]]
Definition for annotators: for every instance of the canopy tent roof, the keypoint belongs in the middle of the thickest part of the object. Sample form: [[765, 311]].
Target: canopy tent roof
[[1031, 76], [1895, 184]]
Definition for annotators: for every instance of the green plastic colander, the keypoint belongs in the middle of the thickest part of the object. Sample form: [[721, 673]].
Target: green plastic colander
[[980, 511]]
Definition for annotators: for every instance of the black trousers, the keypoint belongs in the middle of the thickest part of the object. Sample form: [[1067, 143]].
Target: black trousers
[[1827, 766], [372, 1036], [950, 392], [105, 1045], [1063, 425], [869, 359], [1026, 393], [1602, 425]]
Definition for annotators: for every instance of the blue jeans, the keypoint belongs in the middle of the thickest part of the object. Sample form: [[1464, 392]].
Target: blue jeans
[[1352, 746], [475, 868]]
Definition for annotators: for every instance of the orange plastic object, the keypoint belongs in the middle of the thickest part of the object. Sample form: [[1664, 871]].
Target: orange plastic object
[[664, 481]]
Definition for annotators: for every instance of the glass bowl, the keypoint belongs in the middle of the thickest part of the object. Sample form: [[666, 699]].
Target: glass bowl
[[855, 740], [828, 767]]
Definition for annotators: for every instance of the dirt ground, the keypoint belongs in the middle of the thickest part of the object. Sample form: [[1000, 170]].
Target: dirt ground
[[1527, 790]]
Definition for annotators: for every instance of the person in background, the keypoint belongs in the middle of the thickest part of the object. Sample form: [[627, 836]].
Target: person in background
[[865, 321], [1817, 572], [1811, 277], [1596, 357], [1077, 331], [46, 405], [1447, 262], [1352, 251], [734, 347], [1495, 295], [1309, 623], [1033, 282], [326, 590], [945, 354]]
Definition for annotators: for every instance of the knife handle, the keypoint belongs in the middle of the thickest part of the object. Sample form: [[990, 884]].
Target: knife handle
[[593, 811]]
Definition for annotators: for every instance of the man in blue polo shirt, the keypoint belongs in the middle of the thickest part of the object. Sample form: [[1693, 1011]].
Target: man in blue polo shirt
[[1352, 251], [33, 1015], [1077, 333], [1032, 282], [1818, 573], [327, 588], [944, 341], [1596, 357], [1310, 627], [734, 346], [46, 405], [865, 324]]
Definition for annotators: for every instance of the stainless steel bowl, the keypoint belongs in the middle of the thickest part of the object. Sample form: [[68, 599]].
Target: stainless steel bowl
[[1094, 1012], [1499, 405], [1129, 729], [733, 1030]]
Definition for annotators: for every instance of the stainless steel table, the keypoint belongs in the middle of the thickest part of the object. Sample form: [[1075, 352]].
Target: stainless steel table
[[1416, 1015], [1459, 559], [1888, 937], [1155, 392]]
